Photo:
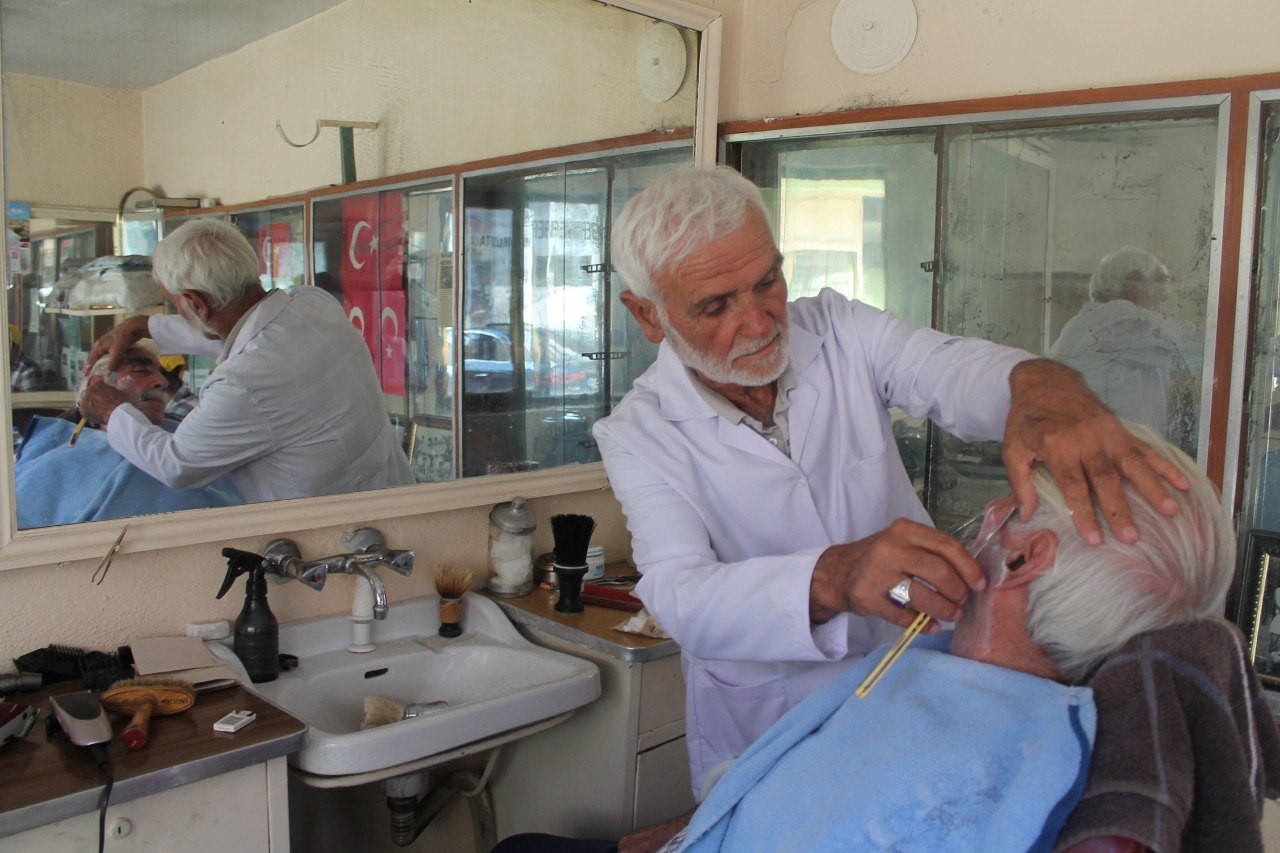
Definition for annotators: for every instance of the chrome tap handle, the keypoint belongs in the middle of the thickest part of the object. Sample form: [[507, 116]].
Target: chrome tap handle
[[285, 563], [370, 546], [401, 562]]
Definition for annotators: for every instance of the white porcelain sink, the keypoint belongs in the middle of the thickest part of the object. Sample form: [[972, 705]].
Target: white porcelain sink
[[491, 679]]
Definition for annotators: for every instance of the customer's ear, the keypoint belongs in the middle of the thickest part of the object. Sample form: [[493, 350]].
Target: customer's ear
[[1035, 557]]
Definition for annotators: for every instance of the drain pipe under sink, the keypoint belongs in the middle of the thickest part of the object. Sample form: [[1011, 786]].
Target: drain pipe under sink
[[414, 802]]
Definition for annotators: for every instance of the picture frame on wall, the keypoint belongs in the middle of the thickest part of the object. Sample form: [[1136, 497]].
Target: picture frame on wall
[[1259, 617]]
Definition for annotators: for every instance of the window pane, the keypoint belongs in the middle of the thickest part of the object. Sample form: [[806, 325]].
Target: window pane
[[1262, 429], [1090, 243], [856, 213], [1086, 240], [548, 348]]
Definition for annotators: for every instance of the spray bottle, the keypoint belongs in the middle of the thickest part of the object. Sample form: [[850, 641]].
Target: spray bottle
[[257, 633]]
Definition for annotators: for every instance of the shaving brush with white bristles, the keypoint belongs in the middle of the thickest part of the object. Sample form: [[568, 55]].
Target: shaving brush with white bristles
[[452, 582]]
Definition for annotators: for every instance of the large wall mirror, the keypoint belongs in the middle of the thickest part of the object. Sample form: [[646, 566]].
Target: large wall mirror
[[194, 101]]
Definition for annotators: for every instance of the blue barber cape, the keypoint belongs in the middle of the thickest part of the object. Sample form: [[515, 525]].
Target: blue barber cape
[[60, 484], [944, 754]]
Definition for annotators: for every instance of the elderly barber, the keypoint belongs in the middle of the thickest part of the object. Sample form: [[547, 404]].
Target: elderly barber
[[293, 409], [769, 511]]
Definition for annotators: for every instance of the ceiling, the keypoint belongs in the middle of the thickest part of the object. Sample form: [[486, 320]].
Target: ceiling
[[135, 44]]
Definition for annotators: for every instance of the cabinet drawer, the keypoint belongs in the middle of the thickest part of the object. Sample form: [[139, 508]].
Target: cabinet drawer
[[663, 789], [226, 812], [661, 694]]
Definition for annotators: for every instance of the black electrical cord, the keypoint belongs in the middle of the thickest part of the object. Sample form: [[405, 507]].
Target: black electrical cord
[[99, 753]]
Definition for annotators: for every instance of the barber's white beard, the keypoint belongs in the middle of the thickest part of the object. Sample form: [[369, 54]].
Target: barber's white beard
[[724, 372]]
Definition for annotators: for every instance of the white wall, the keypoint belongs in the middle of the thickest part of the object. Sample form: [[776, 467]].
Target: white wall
[[450, 81], [779, 60], [71, 145]]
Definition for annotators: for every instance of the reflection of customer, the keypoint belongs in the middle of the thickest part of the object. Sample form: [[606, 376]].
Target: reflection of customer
[[59, 482], [293, 408], [1142, 364]]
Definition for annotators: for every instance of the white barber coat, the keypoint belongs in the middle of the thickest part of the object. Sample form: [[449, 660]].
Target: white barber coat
[[293, 409], [726, 529]]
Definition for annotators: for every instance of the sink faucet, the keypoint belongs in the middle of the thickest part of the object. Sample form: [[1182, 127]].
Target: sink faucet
[[367, 550]]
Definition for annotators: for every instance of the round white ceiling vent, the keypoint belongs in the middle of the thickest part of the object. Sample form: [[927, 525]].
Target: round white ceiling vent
[[871, 36], [661, 60]]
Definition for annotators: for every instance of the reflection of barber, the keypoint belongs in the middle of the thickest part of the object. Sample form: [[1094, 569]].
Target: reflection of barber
[[65, 475], [293, 408], [1137, 360]]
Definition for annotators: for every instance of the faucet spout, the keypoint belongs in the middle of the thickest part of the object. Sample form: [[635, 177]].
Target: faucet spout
[[375, 585]]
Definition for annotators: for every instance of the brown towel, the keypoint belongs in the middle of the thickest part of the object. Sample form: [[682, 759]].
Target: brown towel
[[1186, 747]]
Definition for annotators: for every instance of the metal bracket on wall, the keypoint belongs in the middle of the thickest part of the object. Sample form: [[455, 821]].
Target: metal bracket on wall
[[347, 140]]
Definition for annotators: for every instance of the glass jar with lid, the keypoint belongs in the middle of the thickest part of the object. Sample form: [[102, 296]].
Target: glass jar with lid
[[511, 526]]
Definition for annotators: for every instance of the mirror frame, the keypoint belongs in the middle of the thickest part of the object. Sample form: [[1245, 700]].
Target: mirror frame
[[49, 545]]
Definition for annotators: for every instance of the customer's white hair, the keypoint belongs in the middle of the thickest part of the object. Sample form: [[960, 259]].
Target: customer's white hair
[[209, 256], [675, 216], [1096, 598], [100, 366]]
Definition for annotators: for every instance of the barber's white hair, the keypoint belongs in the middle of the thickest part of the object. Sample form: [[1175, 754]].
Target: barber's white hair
[[100, 366], [675, 216], [210, 256], [1125, 267], [1096, 598]]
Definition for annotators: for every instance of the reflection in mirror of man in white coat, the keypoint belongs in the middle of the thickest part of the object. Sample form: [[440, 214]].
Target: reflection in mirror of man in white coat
[[1144, 365]]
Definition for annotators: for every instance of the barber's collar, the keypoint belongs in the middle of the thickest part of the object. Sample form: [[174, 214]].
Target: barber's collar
[[262, 313], [734, 415], [680, 399]]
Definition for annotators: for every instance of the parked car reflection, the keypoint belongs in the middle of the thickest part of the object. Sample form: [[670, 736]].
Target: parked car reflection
[[550, 368]]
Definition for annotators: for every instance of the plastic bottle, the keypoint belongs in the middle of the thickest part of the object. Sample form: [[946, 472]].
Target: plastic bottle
[[256, 636]]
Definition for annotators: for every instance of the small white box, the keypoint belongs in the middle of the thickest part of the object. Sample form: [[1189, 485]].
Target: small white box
[[235, 721]]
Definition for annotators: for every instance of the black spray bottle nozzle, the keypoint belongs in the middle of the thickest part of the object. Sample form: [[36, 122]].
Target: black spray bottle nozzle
[[238, 563]]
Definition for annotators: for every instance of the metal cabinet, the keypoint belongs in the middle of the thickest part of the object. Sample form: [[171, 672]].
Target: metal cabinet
[[617, 765]]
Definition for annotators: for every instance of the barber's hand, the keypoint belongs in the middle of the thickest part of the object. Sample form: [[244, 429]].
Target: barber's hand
[[857, 577], [99, 400], [1056, 419], [117, 341]]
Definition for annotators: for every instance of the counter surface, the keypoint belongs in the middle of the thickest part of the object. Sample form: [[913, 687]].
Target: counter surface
[[593, 627], [44, 780]]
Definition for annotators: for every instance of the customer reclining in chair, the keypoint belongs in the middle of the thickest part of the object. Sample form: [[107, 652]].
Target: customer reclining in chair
[[61, 481], [1092, 700], [993, 746]]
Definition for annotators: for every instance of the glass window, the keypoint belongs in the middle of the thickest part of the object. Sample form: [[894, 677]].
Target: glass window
[[1084, 239], [279, 236], [1261, 508], [387, 257], [548, 348]]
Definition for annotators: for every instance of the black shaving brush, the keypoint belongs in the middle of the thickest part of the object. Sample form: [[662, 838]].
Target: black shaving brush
[[572, 534]]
